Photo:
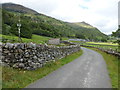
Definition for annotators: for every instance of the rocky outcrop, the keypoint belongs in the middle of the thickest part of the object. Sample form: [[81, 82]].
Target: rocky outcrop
[[31, 56]]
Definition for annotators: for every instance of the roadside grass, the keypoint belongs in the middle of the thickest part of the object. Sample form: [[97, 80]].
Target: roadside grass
[[35, 38], [0, 78], [112, 66], [14, 78]]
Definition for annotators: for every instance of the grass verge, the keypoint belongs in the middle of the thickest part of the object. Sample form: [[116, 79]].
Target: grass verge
[[112, 66], [14, 78]]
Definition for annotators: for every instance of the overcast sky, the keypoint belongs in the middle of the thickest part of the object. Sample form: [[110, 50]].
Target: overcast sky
[[102, 14]]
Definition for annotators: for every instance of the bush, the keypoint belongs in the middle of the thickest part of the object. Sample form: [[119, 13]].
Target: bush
[[103, 40]]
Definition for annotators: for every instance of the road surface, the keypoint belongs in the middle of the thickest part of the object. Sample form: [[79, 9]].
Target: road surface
[[88, 71]]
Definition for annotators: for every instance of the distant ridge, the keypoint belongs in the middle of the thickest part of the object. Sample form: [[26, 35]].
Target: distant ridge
[[85, 23], [18, 8]]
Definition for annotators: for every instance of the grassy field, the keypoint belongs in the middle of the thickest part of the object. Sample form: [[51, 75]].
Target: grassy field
[[76, 41], [14, 78], [96, 43], [65, 38], [105, 46], [103, 43], [112, 66], [35, 38]]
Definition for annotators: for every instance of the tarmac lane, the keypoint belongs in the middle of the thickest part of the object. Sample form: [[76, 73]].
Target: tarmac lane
[[87, 71]]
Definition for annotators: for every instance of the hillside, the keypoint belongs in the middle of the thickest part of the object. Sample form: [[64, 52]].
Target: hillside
[[18, 8], [117, 33], [89, 32], [83, 24], [35, 23]]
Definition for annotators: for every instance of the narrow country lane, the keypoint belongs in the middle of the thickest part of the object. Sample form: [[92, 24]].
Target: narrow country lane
[[87, 71]]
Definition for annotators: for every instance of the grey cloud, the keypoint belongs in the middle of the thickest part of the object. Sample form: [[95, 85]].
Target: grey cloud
[[105, 15], [42, 6]]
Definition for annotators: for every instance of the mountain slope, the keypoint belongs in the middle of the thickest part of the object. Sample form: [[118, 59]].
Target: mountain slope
[[18, 8], [83, 24], [117, 33], [35, 23], [88, 31]]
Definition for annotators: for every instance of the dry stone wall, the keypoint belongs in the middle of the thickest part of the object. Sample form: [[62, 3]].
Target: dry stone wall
[[31, 56]]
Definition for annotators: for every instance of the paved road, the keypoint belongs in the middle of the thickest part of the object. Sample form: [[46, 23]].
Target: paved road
[[88, 71]]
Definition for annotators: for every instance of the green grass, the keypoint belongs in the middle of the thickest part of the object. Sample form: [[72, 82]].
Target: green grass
[[103, 43], [65, 38], [14, 78], [35, 38], [112, 66], [106, 46], [75, 41], [79, 42], [39, 39], [0, 78]]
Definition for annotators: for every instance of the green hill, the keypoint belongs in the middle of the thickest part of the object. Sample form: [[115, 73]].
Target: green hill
[[88, 31], [35, 23], [18, 8], [117, 33]]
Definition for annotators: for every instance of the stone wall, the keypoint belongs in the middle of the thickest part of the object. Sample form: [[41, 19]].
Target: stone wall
[[31, 56]]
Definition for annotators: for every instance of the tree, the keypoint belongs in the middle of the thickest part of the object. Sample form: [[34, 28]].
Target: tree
[[5, 29], [80, 36], [116, 34], [103, 40], [26, 32]]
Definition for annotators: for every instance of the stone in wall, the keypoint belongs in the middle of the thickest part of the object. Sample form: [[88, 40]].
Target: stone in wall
[[31, 56]]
